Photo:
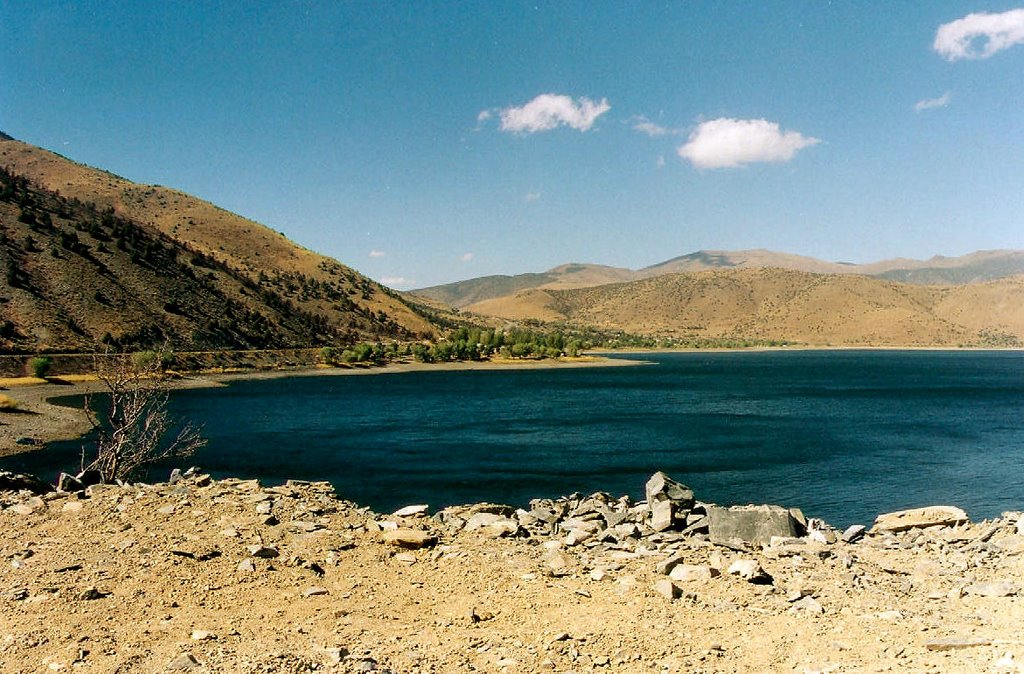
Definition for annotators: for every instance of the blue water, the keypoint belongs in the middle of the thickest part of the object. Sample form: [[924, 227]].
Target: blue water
[[844, 435]]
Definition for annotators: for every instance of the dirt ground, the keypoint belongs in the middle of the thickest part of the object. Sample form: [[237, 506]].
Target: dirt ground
[[228, 576]]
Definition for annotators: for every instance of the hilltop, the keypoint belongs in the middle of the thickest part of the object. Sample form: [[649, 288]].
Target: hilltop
[[781, 305], [92, 258]]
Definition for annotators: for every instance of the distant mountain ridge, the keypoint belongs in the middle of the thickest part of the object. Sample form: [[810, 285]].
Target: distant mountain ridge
[[975, 267], [93, 258], [772, 304]]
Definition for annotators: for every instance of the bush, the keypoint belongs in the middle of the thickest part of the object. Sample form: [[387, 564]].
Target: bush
[[136, 429], [7, 403], [39, 366]]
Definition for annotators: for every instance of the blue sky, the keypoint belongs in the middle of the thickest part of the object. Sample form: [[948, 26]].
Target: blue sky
[[423, 143]]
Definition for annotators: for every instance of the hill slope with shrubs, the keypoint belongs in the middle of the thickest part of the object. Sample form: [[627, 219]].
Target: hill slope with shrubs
[[91, 259]]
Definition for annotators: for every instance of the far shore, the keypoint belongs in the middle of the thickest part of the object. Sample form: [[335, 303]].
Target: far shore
[[38, 418]]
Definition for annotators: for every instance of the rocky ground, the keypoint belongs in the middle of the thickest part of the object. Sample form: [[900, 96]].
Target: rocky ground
[[201, 575]]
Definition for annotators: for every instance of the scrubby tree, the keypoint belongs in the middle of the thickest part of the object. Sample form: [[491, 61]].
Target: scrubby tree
[[135, 429]]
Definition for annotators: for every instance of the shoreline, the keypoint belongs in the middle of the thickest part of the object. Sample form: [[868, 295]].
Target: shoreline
[[44, 421]]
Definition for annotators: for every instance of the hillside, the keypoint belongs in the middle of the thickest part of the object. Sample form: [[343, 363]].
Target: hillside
[[973, 268], [91, 257], [781, 305]]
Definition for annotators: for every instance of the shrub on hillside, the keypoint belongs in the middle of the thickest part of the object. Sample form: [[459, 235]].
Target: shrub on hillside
[[39, 366]]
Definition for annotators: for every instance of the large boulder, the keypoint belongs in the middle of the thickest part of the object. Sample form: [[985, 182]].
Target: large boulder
[[668, 501], [752, 525], [932, 516]]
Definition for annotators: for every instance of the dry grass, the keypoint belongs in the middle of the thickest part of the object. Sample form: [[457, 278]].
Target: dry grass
[[775, 304], [7, 403], [11, 382]]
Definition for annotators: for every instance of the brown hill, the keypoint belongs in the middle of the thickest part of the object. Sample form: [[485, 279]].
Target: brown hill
[[139, 265], [973, 268], [783, 305]]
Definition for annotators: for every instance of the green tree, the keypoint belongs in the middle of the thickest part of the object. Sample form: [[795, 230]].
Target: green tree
[[39, 366]]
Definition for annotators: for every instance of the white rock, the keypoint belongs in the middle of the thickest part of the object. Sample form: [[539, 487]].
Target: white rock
[[749, 570], [412, 511], [901, 520]]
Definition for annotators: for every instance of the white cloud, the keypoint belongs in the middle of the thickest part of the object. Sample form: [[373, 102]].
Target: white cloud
[[929, 103], [531, 197], [483, 116], [466, 257], [644, 125], [376, 253], [956, 40], [548, 111], [396, 281], [660, 161], [727, 143]]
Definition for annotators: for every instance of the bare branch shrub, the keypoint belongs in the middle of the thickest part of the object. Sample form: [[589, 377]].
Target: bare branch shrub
[[134, 430]]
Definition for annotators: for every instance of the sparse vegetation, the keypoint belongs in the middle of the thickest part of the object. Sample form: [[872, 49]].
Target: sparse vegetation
[[7, 403], [135, 429]]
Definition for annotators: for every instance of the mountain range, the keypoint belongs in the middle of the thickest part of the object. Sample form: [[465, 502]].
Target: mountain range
[[91, 259], [973, 268]]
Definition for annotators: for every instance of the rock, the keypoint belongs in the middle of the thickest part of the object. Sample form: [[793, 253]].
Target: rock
[[25, 440], [665, 566], [753, 525], [901, 520], [689, 573], [263, 551], [409, 538], [558, 563], [90, 594], [411, 511], [667, 589], [853, 533], [315, 591], [29, 506], [181, 663], [823, 537], [492, 524], [808, 605], [405, 558], [246, 566], [1000, 588], [750, 570], [667, 499], [18, 481], [69, 483], [662, 515], [71, 507], [660, 487], [955, 643]]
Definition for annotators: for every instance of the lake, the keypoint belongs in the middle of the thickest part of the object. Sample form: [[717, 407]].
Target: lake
[[844, 435]]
